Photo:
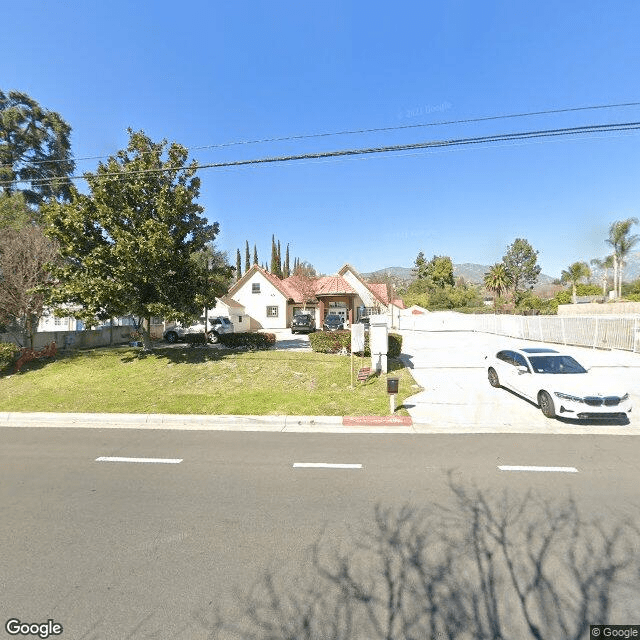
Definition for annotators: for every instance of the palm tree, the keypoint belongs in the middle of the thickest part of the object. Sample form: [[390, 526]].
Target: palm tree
[[622, 243], [605, 265], [574, 274], [497, 280]]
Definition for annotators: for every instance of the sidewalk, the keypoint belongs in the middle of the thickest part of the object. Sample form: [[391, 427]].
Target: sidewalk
[[303, 424]]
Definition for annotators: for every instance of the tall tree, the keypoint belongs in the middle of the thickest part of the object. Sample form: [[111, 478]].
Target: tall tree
[[497, 280], [605, 264], [274, 256], [238, 265], [286, 272], [573, 274], [438, 271], [521, 261], [247, 256], [34, 149], [622, 243], [127, 245], [255, 255]]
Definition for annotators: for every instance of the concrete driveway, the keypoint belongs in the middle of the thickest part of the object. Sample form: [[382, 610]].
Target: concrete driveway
[[451, 368], [287, 341]]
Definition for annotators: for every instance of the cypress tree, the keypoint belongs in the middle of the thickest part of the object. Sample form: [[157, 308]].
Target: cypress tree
[[287, 270], [255, 254], [247, 257], [238, 265]]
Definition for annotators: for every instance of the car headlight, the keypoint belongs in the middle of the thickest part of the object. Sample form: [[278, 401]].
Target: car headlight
[[566, 396]]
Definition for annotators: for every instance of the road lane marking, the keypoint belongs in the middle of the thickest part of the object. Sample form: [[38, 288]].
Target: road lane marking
[[533, 468], [155, 460], [325, 465]]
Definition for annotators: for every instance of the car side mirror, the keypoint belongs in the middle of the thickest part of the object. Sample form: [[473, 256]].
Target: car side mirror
[[522, 370]]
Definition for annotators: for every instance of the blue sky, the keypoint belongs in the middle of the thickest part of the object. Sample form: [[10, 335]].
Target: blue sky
[[204, 73]]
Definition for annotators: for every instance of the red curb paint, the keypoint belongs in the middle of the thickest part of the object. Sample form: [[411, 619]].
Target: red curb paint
[[375, 421]]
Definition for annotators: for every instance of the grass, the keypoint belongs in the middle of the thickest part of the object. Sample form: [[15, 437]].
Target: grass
[[200, 381]]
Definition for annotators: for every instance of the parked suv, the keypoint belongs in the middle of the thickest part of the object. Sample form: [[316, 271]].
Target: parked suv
[[333, 322], [303, 322], [216, 326]]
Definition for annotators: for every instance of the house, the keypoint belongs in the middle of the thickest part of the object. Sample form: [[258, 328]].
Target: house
[[271, 302]]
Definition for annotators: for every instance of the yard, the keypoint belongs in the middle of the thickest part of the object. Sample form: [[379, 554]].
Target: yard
[[200, 381]]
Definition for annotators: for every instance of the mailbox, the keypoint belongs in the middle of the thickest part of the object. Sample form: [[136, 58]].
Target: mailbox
[[392, 385]]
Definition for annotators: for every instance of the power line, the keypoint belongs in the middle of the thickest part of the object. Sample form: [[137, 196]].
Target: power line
[[327, 134], [503, 137]]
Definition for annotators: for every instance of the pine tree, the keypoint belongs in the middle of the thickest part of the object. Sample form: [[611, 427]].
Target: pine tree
[[238, 265]]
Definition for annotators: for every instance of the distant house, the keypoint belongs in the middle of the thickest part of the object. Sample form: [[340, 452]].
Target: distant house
[[270, 302]]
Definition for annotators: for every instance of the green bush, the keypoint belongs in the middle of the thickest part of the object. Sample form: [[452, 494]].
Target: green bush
[[330, 341], [336, 341], [8, 354], [249, 340], [195, 338]]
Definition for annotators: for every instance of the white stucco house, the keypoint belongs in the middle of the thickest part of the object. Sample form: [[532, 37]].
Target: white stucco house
[[269, 302]]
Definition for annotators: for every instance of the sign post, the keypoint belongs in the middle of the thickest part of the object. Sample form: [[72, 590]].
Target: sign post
[[357, 345]]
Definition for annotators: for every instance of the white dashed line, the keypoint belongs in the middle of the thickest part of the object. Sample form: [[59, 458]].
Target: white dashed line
[[526, 468], [156, 460], [325, 465]]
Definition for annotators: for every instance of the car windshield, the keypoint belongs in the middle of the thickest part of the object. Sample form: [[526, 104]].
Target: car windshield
[[556, 364]]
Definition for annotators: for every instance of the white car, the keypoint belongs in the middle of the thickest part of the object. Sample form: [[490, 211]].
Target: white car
[[558, 384], [216, 326]]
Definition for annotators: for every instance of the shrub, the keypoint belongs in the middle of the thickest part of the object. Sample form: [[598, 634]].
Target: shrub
[[195, 338], [8, 354], [336, 341], [249, 340], [330, 341]]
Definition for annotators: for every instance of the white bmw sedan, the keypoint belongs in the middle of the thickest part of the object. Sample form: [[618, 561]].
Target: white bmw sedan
[[558, 384]]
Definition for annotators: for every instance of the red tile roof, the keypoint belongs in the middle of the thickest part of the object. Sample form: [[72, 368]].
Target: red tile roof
[[333, 285]]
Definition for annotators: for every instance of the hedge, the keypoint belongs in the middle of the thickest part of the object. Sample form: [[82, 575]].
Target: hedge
[[250, 340], [335, 341], [8, 354]]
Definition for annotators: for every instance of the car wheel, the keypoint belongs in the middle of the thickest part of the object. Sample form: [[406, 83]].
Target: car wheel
[[546, 404], [493, 377], [214, 338], [171, 337]]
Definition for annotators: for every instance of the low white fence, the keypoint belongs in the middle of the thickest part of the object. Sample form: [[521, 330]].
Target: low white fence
[[596, 331]]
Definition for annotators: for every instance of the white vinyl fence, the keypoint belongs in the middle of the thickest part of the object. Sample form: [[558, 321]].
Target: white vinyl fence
[[596, 331]]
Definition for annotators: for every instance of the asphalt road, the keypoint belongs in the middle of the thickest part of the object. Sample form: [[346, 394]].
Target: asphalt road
[[115, 550]]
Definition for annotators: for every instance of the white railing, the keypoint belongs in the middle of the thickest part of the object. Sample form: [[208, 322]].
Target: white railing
[[597, 331]]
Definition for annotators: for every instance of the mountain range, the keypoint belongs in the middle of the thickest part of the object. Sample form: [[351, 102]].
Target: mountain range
[[474, 273]]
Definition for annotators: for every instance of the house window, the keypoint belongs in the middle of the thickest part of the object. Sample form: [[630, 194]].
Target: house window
[[255, 287], [239, 318], [272, 312]]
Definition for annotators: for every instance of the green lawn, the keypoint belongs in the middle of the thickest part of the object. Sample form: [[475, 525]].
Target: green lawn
[[200, 381]]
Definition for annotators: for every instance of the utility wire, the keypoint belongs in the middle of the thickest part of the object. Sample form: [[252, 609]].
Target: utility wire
[[327, 134], [503, 137]]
